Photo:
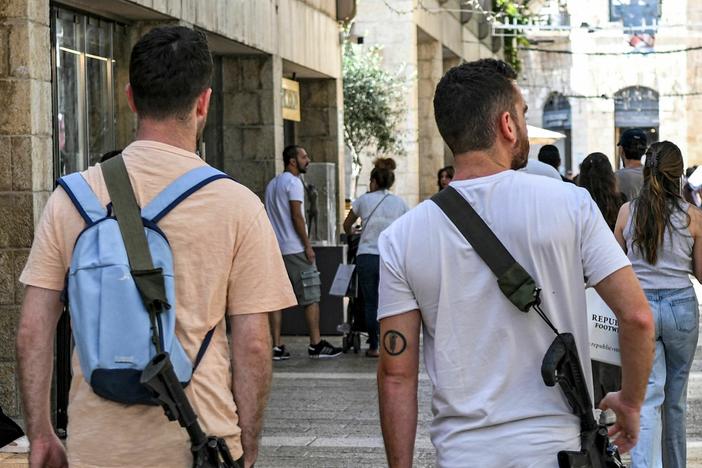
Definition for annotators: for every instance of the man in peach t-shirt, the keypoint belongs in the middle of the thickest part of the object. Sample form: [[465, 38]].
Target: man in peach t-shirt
[[227, 263]]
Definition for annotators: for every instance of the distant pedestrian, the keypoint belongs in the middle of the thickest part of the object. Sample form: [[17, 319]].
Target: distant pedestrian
[[597, 176], [284, 200], [482, 354], [377, 209], [549, 154], [536, 167], [632, 146], [661, 234], [444, 177]]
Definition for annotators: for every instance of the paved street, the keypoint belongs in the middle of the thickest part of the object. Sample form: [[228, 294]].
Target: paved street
[[324, 414]]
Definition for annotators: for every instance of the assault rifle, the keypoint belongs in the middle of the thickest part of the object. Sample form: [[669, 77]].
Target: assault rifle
[[561, 365], [160, 378]]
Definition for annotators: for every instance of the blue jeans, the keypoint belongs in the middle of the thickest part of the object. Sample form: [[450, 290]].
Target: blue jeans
[[662, 437], [368, 269]]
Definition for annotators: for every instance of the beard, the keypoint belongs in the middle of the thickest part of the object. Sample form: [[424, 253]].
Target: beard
[[302, 167], [520, 153]]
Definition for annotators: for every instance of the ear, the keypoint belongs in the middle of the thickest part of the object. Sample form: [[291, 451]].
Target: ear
[[130, 97], [507, 128], [203, 103]]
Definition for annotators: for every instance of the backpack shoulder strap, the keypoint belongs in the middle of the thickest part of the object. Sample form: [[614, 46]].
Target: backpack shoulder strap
[[513, 280], [83, 197], [179, 190]]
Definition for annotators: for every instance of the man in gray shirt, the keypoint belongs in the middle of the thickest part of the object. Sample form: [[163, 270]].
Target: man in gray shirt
[[633, 144]]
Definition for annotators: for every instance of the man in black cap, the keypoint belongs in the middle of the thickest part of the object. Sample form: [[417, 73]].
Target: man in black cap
[[633, 144]]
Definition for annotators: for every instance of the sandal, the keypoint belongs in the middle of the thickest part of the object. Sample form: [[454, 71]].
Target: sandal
[[372, 353]]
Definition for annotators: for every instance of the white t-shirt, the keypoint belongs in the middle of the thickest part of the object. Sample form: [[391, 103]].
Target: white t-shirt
[[279, 192], [484, 356], [536, 167], [375, 220]]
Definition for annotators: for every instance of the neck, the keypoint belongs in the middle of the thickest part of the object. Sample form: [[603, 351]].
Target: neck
[[292, 170], [172, 132], [632, 163], [477, 164]]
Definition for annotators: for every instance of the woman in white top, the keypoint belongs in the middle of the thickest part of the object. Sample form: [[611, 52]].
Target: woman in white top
[[377, 209], [662, 236]]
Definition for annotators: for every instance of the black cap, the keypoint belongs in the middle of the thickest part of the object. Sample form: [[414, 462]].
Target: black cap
[[633, 138]]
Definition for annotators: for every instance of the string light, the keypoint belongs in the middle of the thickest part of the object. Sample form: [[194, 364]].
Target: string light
[[633, 53]]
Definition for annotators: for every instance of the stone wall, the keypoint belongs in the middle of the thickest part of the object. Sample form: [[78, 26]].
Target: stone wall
[[26, 167], [430, 68], [585, 77], [252, 119]]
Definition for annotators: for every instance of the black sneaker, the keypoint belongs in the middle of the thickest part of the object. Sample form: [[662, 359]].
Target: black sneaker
[[280, 353], [323, 350]]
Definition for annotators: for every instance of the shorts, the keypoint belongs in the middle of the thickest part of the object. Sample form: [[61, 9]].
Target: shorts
[[304, 278]]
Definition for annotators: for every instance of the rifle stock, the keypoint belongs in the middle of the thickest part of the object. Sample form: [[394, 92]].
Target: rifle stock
[[160, 378]]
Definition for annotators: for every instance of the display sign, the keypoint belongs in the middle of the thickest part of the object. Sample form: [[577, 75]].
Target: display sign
[[291, 100]]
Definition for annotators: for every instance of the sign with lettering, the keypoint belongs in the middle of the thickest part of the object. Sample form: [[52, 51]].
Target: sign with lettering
[[291, 100], [603, 329]]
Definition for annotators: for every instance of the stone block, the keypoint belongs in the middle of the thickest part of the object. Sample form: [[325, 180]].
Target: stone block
[[5, 164], [42, 164], [252, 73], [233, 147], [21, 163], [242, 109], [259, 143], [231, 75], [315, 122], [39, 200], [29, 48], [7, 281], [4, 50], [16, 211], [19, 260], [189, 10], [34, 10], [16, 117], [41, 107], [9, 318], [318, 93], [206, 15], [8, 389], [271, 108]]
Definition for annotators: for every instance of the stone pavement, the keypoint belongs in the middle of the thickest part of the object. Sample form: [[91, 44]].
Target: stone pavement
[[324, 413]]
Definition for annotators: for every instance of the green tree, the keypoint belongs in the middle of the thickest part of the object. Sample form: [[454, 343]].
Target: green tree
[[513, 11], [372, 104]]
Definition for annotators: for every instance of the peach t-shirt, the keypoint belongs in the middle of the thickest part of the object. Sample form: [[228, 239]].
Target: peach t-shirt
[[226, 260]]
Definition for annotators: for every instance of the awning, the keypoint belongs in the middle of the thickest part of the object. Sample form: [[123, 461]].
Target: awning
[[541, 136]]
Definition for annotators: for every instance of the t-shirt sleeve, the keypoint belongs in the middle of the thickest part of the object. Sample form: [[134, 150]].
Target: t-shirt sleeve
[[357, 206], [394, 293], [601, 253], [46, 266], [258, 281], [295, 190]]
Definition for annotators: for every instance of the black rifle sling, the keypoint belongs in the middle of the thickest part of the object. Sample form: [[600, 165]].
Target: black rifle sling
[[149, 280], [513, 280]]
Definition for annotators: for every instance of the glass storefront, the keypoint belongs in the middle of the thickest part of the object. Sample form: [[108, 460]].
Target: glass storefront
[[84, 88]]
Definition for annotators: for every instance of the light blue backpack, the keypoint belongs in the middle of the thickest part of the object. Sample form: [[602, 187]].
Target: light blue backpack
[[111, 325]]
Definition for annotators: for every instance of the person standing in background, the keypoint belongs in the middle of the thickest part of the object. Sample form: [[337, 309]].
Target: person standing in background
[[632, 144], [377, 209], [284, 200]]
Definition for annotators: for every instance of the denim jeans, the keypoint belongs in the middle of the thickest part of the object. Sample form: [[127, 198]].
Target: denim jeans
[[662, 437], [368, 269]]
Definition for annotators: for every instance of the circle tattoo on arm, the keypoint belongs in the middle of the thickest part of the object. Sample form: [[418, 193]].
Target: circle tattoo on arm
[[394, 342]]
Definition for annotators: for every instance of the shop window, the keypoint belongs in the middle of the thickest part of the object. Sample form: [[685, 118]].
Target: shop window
[[84, 89], [557, 117], [636, 107]]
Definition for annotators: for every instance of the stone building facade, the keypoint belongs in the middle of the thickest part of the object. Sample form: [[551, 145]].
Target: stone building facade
[[603, 69], [63, 68], [425, 39]]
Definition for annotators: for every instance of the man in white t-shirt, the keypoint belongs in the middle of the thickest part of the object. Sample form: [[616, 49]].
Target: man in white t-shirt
[[490, 406], [284, 200]]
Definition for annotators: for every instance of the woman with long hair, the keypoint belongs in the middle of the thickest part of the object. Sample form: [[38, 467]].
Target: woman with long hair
[[661, 234], [597, 177], [377, 208]]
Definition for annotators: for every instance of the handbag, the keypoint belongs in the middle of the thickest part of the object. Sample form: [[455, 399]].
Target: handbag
[[561, 364]]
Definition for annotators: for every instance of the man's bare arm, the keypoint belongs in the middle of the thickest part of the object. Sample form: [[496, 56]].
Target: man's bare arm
[[298, 221], [398, 373], [41, 310], [622, 293], [251, 376]]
